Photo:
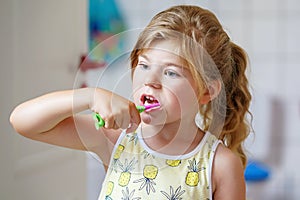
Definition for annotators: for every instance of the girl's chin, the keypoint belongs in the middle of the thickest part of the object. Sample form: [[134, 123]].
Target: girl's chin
[[149, 120], [155, 117], [146, 119]]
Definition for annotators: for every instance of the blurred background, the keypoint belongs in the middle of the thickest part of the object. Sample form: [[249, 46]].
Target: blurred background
[[43, 43]]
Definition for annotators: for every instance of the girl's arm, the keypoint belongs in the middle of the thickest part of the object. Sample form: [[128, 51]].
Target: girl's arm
[[54, 118], [228, 176]]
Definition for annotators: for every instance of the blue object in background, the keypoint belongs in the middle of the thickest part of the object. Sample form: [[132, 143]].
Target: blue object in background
[[256, 171], [105, 21], [105, 16]]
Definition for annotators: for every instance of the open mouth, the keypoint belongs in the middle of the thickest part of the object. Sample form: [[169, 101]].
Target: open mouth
[[149, 100]]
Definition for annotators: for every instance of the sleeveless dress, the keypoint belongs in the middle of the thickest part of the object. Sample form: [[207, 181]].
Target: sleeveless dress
[[137, 172]]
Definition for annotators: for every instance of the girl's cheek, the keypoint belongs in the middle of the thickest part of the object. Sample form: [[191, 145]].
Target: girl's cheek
[[185, 98], [136, 91], [136, 95], [137, 79]]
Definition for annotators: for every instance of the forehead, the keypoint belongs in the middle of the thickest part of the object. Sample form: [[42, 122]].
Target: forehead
[[163, 51]]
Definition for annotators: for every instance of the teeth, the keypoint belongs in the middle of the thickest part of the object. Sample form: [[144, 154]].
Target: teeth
[[149, 99]]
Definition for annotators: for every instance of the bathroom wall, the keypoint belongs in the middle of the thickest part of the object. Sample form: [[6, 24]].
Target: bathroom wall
[[40, 47]]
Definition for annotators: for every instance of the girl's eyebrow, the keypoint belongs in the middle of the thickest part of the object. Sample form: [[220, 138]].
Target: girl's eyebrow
[[163, 63], [144, 56]]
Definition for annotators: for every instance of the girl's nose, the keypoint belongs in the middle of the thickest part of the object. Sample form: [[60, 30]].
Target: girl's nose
[[153, 79], [152, 84]]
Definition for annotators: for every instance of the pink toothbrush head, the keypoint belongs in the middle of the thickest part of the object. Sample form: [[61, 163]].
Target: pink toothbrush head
[[149, 106]]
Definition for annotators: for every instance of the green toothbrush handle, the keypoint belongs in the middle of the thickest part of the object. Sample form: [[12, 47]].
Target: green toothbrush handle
[[99, 122]]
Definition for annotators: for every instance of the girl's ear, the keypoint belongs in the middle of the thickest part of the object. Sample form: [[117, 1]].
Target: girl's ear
[[211, 91]]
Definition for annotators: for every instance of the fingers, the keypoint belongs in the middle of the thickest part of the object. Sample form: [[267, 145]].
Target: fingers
[[125, 119], [135, 119], [109, 122], [116, 111], [131, 128]]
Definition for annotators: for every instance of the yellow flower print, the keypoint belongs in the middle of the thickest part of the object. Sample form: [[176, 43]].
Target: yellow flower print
[[116, 157], [150, 172], [173, 163], [109, 190], [192, 177], [126, 171]]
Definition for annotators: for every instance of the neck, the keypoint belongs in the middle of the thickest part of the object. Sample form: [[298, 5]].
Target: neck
[[172, 138]]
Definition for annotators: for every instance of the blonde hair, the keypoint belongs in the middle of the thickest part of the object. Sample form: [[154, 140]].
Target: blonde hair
[[190, 25]]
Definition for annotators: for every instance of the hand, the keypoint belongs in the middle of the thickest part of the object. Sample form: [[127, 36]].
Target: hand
[[116, 111]]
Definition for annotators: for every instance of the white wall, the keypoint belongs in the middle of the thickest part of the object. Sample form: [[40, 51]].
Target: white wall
[[6, 140], [40, 47]]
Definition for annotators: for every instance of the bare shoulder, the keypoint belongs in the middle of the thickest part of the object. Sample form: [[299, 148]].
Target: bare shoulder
[[226, 158], [228, 175]]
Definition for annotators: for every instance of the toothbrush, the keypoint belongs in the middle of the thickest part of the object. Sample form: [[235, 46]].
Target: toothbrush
[[99, 122]]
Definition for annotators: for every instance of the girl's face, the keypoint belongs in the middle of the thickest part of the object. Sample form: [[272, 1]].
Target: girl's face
[[160, 77]]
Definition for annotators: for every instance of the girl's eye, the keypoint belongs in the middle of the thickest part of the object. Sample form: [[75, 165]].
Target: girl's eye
[[144, 66], [171, 74]]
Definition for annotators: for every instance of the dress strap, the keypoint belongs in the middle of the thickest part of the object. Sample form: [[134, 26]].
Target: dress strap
[[211, 160]]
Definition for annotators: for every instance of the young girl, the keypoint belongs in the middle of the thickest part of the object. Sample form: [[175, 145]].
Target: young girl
[[185, 62]]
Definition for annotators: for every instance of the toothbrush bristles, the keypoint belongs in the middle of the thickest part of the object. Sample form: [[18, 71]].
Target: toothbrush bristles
[[154, 105]]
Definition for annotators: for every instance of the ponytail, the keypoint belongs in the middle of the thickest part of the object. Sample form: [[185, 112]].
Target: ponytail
[[236, 128]]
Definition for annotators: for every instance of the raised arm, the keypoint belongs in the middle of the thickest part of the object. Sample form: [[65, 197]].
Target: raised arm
[[54, 118], [45, 112]]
